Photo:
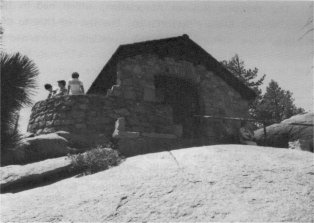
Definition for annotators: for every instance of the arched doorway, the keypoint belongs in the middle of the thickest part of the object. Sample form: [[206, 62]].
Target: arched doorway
[[183, 97]]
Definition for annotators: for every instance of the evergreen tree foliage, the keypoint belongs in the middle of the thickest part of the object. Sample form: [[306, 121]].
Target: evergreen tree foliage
[[249, 77], [272, 107], [18, 82], [277, 104]]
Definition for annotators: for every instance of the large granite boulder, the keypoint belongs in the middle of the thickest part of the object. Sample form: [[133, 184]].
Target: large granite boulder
[[37, 148], [223, 183], [296, 130]]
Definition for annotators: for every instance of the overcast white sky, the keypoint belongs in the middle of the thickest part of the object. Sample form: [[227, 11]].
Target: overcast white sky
[[63, 37]]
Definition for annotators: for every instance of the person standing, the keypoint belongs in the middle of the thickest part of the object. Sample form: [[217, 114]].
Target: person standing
[[75, 86]]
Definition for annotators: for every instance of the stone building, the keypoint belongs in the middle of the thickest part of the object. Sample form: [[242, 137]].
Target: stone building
[[150, 96]]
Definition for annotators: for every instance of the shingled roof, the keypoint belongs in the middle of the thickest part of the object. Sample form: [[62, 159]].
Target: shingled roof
[[181, 48]]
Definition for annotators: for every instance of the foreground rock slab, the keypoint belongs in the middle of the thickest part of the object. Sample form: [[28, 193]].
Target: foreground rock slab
[[213, 183], [17, 176]]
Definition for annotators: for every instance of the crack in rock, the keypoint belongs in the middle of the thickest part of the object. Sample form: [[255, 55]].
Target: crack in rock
[[122, 202], [194, 181], [174, 158], [185, 178]]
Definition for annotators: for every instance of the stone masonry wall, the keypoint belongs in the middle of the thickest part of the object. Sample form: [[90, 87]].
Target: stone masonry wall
[[135, 78], [95, 114], [134, 98]]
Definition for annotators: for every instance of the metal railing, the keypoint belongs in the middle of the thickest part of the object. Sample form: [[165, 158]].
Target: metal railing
[[238, 119], [302, 124], [263, 122]]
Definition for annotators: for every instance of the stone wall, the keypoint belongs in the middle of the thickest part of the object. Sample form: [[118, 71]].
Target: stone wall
[[135, 80], [135, 99], [95, 114]]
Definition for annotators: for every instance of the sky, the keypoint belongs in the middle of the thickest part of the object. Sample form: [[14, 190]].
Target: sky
[[66, 36]]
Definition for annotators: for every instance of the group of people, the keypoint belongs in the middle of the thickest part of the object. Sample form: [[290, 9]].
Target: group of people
[[75, 87]]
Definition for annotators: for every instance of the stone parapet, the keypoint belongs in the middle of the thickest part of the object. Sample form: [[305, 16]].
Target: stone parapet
[[95, 114]]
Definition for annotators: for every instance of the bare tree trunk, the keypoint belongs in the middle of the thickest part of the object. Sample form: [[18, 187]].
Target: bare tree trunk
[[16, 125]]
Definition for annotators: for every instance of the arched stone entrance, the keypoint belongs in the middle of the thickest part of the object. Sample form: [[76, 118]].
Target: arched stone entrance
[[183, 97]]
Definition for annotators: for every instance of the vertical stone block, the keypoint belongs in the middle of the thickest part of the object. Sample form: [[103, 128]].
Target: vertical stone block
[[129, 94], [120, 124], [149, 93], [178, 130]]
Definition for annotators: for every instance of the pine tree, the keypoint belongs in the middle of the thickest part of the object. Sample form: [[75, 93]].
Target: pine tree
[[248, 76], [272, 107], [276, 104], [237, 67]]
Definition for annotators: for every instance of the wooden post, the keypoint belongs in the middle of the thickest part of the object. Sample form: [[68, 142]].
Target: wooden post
[[16, 124], [265, 133]]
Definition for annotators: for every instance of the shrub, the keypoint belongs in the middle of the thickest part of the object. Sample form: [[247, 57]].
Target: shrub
[[94, 160], [18, 82]]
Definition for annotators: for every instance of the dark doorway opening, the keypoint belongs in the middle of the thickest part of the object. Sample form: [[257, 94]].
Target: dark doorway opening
[[183, 97]]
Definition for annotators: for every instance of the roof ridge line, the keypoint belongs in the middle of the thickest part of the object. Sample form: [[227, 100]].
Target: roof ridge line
[[184, 36]]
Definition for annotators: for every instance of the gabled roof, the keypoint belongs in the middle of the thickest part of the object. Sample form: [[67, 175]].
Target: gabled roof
[[181, 48]]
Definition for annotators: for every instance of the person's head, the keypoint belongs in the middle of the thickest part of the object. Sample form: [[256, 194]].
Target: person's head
[[48, 87], [75, 75], [61, 83]]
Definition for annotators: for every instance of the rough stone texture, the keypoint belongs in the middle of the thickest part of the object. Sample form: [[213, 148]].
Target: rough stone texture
[[49, 144], [279, 135], [14, 176], [216, 183], [84, 141], [180, 48], [136, 76], [134, 143], [45, 146], [136, 99], [95, 114], [178, 130], [141, 145]]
